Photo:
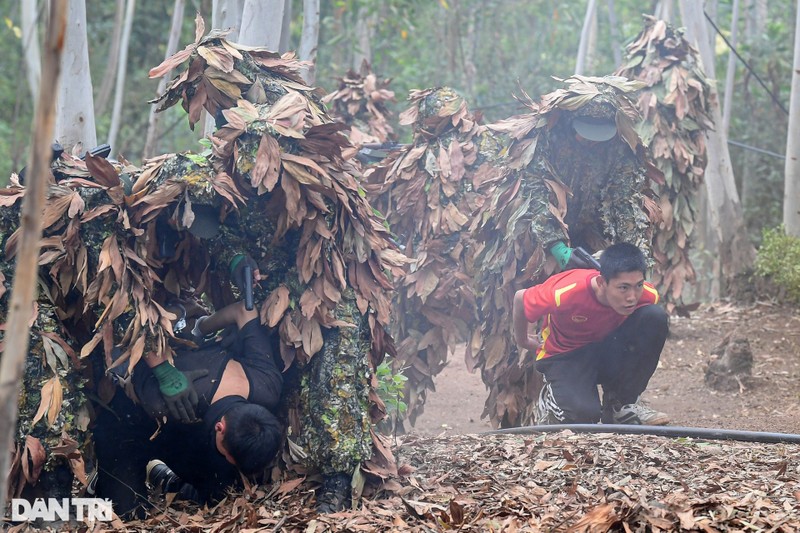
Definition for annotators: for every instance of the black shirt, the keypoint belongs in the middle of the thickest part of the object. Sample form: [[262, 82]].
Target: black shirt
[[190, 449]]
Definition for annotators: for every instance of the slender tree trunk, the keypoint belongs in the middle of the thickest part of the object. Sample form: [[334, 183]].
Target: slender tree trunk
[[664, 10], [613, 24], [363, 49], [26, 273], [172, 47], [730, 72], [452, 33], [227, 14], [468, 69], [591, 49], [30, 46], [580, 62], [75, 116], [262, 21], [791, 188], [309, 40], [104, 94], [122, 67], [735, 251], [712, 8], [286, 29], [755, 18]]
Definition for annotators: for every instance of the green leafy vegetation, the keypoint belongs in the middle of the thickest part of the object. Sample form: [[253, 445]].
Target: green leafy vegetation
[[779, 260], [391, 386]]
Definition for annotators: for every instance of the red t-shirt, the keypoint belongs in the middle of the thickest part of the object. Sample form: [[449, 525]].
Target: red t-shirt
[[573, 316]]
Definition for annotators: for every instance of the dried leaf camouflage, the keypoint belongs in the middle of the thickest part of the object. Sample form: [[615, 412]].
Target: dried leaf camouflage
[[360, 104], [279, 188], [557, 187], [675, 108], [428, 194]]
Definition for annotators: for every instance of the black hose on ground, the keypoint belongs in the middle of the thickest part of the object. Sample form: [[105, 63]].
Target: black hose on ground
[[660, 431]]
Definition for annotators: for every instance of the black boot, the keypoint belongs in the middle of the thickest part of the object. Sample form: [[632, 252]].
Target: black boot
[[334, 494]]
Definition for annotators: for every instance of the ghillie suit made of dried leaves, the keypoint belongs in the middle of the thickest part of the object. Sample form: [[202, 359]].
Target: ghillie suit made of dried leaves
[[117, 249], [51, 434], [559, 187], [297, 207], [428, 191], [675, 117], [360, 104]]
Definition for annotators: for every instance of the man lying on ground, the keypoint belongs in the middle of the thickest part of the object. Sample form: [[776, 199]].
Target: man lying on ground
[[218, 402]]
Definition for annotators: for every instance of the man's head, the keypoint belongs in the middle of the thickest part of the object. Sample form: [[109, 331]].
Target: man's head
[[622, 270], [250, 437]]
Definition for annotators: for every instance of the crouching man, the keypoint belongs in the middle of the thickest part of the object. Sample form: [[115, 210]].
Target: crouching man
[[598, 328], [218, 402]]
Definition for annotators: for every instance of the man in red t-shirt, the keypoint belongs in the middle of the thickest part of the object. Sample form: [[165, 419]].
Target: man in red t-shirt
[[598, 328]]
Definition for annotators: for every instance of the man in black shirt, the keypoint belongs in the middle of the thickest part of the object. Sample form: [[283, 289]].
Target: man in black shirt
[[231, 387]]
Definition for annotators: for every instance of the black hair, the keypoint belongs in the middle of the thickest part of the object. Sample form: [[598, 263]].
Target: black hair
[[252, 437], [620, 258]]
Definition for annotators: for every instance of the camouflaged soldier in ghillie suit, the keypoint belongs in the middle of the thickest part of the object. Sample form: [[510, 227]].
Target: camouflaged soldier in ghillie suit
[[286, 195], [675, 111], [51, 434], [360, 104], [428, 191], [578, 178], [120, 242]]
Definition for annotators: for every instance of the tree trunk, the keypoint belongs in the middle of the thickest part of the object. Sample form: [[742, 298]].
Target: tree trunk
[[735, 252], [664, 10], [712, 8], [104, 94], [580, 62], [453, 36], [286, 29], [468, 69], [755, 18], [613, 24], [309, 40], [26, 273], [122, 67], [227, 14], [30, 46], [75, 106], [172, 47], [262, 21], [791, 188], [363, 51], [730, 72]]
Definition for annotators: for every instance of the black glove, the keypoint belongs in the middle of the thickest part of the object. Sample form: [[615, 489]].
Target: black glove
[[178, 391]]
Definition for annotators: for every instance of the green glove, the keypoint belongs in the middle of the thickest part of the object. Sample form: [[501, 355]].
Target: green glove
[[237, 265], [178, 391], [561, 253]]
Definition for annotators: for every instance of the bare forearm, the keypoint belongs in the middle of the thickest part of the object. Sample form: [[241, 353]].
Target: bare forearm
[[234, 313], [519, 322]]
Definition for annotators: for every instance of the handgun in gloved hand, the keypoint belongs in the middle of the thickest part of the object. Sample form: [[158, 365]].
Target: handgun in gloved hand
[[242, 268], [178, 391]]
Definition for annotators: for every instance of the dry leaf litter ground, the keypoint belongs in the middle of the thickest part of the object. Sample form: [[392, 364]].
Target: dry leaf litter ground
[[456, 479]]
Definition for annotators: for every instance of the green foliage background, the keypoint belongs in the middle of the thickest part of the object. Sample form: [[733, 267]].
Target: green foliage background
[[510, 46]]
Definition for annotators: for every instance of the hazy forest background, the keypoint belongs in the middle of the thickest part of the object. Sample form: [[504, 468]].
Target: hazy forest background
[[488, 50]]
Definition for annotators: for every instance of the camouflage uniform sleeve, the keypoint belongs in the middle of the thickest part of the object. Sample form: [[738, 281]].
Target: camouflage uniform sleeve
[[545, 226], [621, 210]]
